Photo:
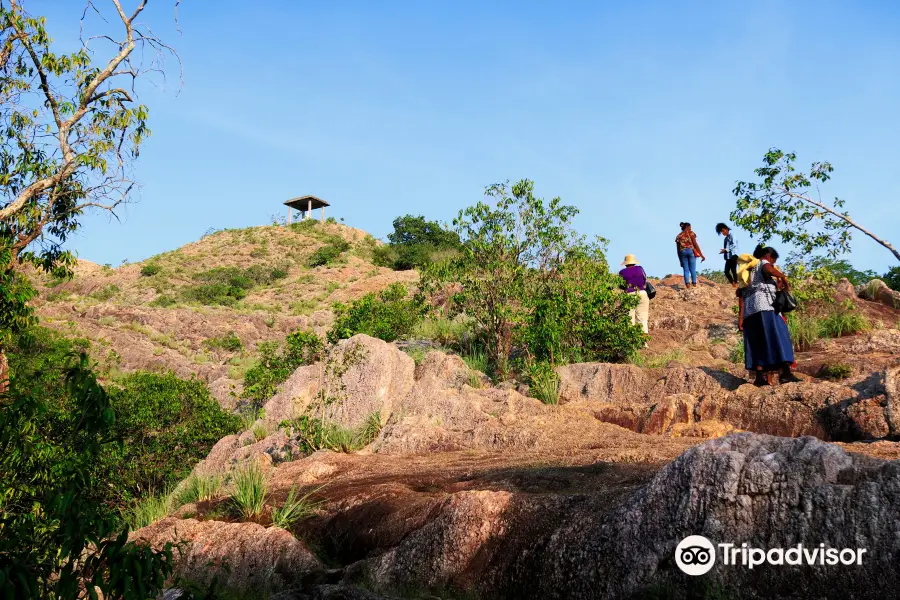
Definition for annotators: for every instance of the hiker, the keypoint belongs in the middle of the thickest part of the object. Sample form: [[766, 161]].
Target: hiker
[[729, 252], [636, 283], [767, 342], [688, 253]]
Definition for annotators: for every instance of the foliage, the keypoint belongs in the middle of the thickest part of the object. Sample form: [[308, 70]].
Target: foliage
[[714, 275], [525, 278], [259, 431], [544, 383], [150, 269], [892, 278], [388, 315], [844, 320], [804, 330], [737, 353], [415, 243], [294, 509], [250, 488], [277, 362], [15, 293], [841, 269], [149, 510], [163, 301], [476, 359], [329, 253], [199, 488], [836, 371], [57, 538], [165, 426], [780, 204], [315, 434], [227, 285], [443, 330], [656, 361], [811, 284], [229, 342]]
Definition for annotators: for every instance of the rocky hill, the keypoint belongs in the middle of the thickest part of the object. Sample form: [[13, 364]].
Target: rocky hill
[[440, 483], [470, 489], [165, 314]]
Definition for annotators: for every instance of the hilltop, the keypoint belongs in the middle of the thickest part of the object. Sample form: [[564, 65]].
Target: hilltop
[[171, 311]]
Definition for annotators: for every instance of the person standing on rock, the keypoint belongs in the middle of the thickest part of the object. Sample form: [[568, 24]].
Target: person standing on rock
[[636, 283], [767, 342], [730, 252], [688, 253]]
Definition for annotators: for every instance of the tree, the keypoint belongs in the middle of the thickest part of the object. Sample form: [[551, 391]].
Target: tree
[[57, 541], [69, 131], [525, 277], [415, 242], [782, 204]]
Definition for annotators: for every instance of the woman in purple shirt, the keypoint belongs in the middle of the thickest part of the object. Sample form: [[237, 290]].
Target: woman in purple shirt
[[636, 283]]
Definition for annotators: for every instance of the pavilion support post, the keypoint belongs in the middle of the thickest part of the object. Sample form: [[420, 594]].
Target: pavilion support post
[[290, 215], [323, 214], [309, 209]]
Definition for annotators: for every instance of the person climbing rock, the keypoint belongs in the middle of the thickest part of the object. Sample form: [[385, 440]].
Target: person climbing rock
[[730, 253], [636, 283], [767, 342], [688, 253]]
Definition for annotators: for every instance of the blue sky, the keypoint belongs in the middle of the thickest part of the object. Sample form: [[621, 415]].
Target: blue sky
[[642, 114]]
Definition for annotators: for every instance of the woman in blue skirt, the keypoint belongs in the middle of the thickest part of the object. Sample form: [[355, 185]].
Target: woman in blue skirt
[[767, 343]]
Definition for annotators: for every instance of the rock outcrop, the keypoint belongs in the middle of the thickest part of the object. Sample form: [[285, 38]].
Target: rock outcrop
[[241, 557]]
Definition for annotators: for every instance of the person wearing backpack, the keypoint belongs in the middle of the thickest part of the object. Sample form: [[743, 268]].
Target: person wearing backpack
[[636, 283]]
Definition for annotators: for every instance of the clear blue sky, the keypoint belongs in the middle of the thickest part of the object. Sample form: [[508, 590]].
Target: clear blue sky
[[642, 114]]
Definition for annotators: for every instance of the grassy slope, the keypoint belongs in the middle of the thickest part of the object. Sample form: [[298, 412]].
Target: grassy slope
[[118, 309]]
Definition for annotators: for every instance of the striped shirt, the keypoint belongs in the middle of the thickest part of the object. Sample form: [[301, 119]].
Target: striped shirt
[[759, 296]]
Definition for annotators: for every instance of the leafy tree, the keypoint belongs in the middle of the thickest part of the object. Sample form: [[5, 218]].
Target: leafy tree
[[842, 269], [892, 278], [518, 278], [781, 203], [388, 315], [69, 130], [415, 242], [57, 541]]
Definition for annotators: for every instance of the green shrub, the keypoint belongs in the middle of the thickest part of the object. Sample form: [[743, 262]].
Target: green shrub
[[149, 510], [657, 361], [163, 301], [227, 285], [388, 315], [737, 353], [329, 253], [715, 275], [199, 488], [294, 509], [277, 362], [892, 278], [804, 330], [443, 330], [150, 269], [166, 425], [105, 293], [544, 383], [845, 320], [250, 488], [476, 359], [229, 342], [260, 432], [415, 243], [836, 371], [58, 536], [314, 434]]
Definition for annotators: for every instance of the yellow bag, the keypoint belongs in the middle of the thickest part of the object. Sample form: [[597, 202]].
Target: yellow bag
[[745, 265]]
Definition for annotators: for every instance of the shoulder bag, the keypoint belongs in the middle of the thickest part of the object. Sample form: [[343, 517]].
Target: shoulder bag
[[648, 287]]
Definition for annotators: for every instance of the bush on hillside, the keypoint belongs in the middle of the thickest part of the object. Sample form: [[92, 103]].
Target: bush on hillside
[[229, 342], [329, 253], [277, 362], [150, 269], [227, 285], [59, 538], [415, 243], [388, 315], [892, 278], [164, 425]]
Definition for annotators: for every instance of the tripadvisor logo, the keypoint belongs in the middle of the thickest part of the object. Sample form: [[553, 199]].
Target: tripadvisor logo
[[696, 555]]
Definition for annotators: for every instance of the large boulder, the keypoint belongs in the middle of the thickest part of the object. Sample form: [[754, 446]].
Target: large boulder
[[243, 557], [766, 491], [671, 401], [878, 291]]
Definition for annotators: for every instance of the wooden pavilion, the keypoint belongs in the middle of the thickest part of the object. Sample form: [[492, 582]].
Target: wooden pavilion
[[305, 204]]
